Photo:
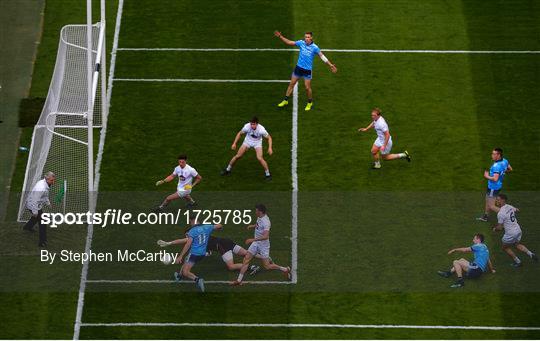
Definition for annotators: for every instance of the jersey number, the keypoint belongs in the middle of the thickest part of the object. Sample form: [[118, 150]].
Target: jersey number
[[512, 217]]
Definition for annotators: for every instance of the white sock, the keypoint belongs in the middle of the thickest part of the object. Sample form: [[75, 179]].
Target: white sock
[[529, 253], [240, 277], [517, 260], [229, 167], [282, 269], [267, 172], [402, 155]]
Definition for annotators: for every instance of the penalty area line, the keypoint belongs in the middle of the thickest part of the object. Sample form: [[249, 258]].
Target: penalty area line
[[304, 325], [165, 281]]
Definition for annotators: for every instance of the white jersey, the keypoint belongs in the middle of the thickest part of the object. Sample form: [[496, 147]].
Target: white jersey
[[507, 217], [263, 224], [185, 175], [254, 136], [381, 127], [38, 197]]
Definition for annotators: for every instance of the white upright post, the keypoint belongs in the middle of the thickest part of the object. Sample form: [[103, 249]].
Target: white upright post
[[104, 106], [90, 113]]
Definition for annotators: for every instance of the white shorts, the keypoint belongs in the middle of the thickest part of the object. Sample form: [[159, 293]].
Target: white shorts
[[256, 248], [227, 256], [252, 144], [511, 238], [182, 192], [379, 144]]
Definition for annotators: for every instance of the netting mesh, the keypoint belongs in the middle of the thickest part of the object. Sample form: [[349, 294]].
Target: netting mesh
[[58, 142]]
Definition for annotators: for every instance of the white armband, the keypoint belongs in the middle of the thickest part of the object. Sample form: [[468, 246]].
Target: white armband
[[323, 58]]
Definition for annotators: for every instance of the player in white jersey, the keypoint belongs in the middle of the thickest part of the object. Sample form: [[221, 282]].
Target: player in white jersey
[[506, 219], [383, 143], [260, 246], [254, 134], [186, 175]]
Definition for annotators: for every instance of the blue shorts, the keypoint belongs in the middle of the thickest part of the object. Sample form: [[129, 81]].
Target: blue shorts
[[301, 73], [194, 259], [474, 271], [492, 193]]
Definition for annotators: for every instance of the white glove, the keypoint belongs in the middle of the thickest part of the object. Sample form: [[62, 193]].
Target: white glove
[[163, 243]]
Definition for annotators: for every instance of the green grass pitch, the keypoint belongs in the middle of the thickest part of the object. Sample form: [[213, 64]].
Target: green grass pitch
[[369, 242]]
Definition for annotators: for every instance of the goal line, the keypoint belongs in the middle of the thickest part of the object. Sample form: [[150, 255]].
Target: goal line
[[187, 49], [197, 80], [305, 325]]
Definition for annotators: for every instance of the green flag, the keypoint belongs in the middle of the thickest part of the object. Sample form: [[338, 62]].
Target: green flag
[[60, 195]]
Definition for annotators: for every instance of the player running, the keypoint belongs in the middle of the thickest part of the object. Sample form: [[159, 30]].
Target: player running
[[304, 66], [260, 245], [197, 241], [185, 174], [383, 143], [506, 219], [473, 269], [254, 133], [495, 177]]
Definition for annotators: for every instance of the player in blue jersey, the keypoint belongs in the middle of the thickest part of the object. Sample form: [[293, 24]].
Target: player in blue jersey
[[304, 66], [494, 177], [197, 241], [480, 264]]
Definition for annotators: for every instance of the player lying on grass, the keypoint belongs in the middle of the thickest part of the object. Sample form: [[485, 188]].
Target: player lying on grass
[[260, 245], [224, 246], [473, 269], [254, 133], [185, 174], [506, 219], [304, 66], [495, 177], [196, 244], [383, 143]]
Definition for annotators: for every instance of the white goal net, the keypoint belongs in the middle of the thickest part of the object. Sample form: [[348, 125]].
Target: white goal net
[[60, 138]]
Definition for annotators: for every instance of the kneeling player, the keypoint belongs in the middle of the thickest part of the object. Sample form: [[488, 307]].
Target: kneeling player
[[383, 143], [472, 269], [260, 246], [254, 133], [506, 219], [227, 249], [185, 174]]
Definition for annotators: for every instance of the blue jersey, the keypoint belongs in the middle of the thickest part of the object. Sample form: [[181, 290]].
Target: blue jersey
[[498, 167], [200, 235], [481, 255], [307, 52]]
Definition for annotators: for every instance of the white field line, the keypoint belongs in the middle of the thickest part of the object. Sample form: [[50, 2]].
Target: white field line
[[304, 325], [89, 236], [294, 208], [185, 49], [164, 281], [196, 80]]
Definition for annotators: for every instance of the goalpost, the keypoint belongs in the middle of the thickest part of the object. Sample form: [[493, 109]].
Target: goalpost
[[62, 141]]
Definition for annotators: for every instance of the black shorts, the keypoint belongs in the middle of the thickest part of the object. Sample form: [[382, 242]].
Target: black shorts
[[193, 259], [221, 245], [474, 271], [301, 72], [492, 193]]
